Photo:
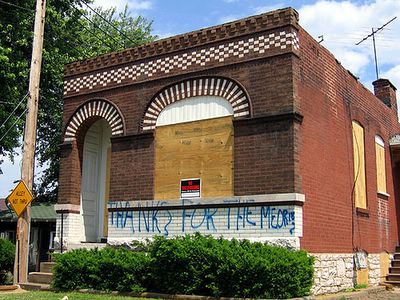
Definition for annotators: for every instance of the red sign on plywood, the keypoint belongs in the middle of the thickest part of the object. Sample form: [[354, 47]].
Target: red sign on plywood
[[191, 188]]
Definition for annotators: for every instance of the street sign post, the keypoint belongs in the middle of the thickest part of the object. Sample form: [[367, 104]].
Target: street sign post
[[20, 198]]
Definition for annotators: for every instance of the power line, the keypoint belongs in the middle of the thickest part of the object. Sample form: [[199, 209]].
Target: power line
[[77, 46], [17, 6], [12, 126], [104, 19], [94, 34], [9, 116], [373, 42], [83, 15]]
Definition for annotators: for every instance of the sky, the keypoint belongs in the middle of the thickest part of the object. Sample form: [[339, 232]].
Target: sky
[[341, 23]]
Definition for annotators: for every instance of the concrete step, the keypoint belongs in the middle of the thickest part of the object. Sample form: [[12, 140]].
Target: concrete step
[[396, 263], [394, 270], [29, 286], [396, 255], [393, 277], [40, 277], [47, 267]]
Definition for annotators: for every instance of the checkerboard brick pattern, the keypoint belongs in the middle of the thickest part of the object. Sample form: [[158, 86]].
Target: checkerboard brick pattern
[[204, 57]]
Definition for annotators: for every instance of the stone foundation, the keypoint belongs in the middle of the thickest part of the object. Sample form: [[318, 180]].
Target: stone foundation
[[337, 272]]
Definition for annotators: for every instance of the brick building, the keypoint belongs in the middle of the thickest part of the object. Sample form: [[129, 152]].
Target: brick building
[[249, 130]]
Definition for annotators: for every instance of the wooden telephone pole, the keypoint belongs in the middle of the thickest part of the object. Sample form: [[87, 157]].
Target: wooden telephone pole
[[29, 145]]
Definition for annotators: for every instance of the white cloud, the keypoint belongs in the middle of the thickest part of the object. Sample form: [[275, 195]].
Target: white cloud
[[344, 23], [133, 5], [393, 75]]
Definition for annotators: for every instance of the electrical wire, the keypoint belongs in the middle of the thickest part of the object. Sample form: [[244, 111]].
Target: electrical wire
[[109, 23], [12, 126], [83, 15], [94, 34], [17, 6], [9, 116]]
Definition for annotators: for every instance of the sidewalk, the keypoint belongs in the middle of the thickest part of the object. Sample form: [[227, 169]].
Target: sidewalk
[[371, 293]]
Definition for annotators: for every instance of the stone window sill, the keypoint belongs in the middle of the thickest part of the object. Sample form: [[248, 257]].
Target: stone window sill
[[362, 212], [383, 195]]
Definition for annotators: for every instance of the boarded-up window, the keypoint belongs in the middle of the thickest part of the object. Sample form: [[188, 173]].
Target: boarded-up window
[[199, 149], [380, 164], [360, 196]]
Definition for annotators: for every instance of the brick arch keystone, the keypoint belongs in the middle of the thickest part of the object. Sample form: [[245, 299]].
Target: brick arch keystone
[[95, 108], [206, 86]]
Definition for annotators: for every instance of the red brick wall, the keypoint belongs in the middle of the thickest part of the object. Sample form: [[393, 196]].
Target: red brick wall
[[70, 175], [329, 98], [264, 160], [269, 144]]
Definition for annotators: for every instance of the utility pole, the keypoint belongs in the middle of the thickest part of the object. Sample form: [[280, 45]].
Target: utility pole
[[375, 31], [29, 144]]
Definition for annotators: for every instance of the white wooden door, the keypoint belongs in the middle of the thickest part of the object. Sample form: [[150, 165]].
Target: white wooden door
[[90, 182]]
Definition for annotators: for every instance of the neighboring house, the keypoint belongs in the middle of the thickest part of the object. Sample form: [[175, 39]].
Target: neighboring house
[[43, 229], [250, 129]]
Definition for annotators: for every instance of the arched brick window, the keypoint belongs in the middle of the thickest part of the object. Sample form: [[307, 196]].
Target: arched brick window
[[207, 86], [95, 108]]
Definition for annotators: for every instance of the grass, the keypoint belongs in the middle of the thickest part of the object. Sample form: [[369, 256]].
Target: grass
[[60, 295]]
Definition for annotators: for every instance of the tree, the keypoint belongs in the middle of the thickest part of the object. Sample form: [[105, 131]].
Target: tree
[[72, 32]]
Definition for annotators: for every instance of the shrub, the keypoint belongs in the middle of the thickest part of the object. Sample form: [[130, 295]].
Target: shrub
[[207, 266], [195, 264], [7, 256], [106, 269]]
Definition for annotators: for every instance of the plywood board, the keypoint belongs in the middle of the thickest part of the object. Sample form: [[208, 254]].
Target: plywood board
[[201, 149], [360, 195], [380, 168]]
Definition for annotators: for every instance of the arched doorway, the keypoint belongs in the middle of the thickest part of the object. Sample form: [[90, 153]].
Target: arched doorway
[[95, 180]]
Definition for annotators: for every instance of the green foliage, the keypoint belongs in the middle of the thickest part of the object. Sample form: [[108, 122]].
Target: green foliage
[[7, 256], [359, 286], [106, 269], [191, 265], [71, 33], [207, 266]]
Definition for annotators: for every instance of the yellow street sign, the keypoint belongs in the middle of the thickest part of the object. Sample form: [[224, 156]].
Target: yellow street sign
[[20, 198]]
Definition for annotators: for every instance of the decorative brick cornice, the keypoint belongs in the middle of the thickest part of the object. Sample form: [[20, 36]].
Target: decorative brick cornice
[[224, 53], [254, 24], [207, 86]]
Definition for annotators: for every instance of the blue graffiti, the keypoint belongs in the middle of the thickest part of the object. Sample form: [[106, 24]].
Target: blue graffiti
[[151, 219], [277, 218]]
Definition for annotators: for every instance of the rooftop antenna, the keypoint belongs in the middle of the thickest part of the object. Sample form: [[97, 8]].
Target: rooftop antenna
[[321, 39], [375, 31]]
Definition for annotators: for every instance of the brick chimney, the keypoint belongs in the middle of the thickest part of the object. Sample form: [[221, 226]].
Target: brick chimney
[[386, 92]]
